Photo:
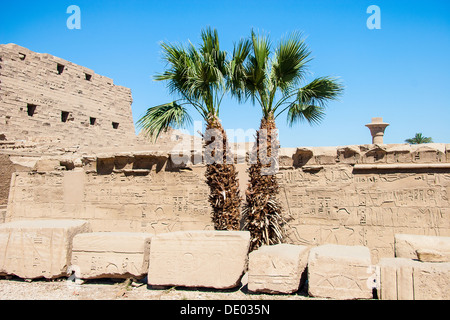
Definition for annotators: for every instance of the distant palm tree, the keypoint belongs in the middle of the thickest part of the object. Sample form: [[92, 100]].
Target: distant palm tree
[[199, 77], [274, 82], [419, 139]]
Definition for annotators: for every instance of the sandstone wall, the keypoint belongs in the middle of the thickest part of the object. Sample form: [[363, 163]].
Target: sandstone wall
[[123, 193], [50, 100], [352, 195]]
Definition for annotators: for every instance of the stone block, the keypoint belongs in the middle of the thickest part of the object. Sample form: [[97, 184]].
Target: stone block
[[340, 272], [431, 248], [111, 254], [427, 255], [277, 269], [45, 165], [407, 279], [211, 259], [38, 248]]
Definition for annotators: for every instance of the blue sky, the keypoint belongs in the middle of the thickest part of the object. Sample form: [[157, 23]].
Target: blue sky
[[400, 72]]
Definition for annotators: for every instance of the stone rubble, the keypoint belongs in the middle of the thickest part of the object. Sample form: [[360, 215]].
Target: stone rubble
[[218, 260]]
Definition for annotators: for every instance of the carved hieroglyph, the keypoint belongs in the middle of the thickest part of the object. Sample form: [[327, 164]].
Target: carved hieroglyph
[[111, 254], [138, 201], [212, 259], [340, 272], [355, 198], [39, 248], [277, 268]]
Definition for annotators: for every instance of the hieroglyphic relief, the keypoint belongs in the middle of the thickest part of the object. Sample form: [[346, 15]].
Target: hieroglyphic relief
[[337, 206], [324, 203], [111, 254], [156, 202], [198, 258]]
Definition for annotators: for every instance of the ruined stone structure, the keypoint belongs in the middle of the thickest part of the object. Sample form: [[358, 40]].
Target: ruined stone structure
[[63, 157], [50, 107], [218, 259], [353, 195], [50, 100]]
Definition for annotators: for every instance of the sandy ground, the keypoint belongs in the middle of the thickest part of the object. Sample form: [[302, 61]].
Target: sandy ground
[[109, 289]]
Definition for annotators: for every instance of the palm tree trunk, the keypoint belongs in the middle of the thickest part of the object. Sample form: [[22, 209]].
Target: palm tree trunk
[[262, 212], [221, 178]]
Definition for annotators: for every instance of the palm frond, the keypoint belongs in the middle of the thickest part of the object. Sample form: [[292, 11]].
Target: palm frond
[[160, 118], [289, 63], [178, 68], [197, 74], [311, 100], [311, 114], [419, 139], [257, 68], [237, 75], [319, 91]]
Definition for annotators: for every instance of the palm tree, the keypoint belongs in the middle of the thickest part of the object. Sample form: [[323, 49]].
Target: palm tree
[[419, 139], [198, 77], [273, 81]]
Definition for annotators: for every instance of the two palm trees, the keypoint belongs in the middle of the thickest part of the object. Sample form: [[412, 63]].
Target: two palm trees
[[268, 77]]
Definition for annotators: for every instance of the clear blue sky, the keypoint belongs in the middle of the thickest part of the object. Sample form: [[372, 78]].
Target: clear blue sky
[[400, 72]]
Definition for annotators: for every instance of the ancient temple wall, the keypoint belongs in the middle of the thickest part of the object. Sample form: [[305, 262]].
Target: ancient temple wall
[[352, 195], [47, 99]]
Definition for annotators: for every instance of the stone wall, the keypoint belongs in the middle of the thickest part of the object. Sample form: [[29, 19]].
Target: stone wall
[[127, 192], [352, 195], [50, 100]]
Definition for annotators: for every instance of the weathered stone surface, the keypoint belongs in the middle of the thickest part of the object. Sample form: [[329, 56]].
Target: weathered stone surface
[[340, 272], [39, 248], [111, 254], [212, 259], [427, 255], [407, 279], [46, 165], [2, 213], [67, 107], [432, 248], [277, 268], [431, 281]]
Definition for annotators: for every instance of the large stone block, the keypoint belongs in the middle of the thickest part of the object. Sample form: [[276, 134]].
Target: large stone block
[[340, 272], [277, 268], [111, 254], [424, 248], [212, 259], [39, 248], [406, 279]]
